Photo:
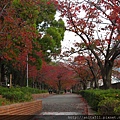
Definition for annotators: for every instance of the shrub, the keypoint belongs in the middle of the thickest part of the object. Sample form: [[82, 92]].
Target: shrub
[[117, 110], [32, 90], [102, 100], [3, 101], [93, 98], [3, 89], [61, 92], [17, 96], [109, 106]]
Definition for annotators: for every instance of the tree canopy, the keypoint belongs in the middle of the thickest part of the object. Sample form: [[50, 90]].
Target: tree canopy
[[28, 29], [97, 23]]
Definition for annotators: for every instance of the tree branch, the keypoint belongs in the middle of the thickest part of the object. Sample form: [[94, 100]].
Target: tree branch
[[3, 9], [114, 49]]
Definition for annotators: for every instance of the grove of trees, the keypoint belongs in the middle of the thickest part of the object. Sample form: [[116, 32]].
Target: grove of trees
[[27, 29], [30, 35], [97, 23], [58, 76]]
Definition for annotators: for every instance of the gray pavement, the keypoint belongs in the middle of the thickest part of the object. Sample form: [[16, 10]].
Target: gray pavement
[[62, 107]]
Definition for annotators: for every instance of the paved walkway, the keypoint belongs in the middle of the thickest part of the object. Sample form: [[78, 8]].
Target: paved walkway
[[61, 107]]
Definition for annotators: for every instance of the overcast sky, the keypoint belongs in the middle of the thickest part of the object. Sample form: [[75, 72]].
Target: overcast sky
[[69, 37]]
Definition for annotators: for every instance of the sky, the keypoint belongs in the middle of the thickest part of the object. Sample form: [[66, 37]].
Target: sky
[[69, 38]]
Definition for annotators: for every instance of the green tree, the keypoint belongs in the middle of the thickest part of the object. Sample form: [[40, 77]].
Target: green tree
[[25, 23], [51, 41]]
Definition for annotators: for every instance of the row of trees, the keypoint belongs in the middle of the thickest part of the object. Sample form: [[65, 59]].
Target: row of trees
[[30, 35], [27, 29], [97, 24], [58, 76]]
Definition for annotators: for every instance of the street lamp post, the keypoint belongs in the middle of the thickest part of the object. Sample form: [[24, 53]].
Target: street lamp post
[[27, 70]]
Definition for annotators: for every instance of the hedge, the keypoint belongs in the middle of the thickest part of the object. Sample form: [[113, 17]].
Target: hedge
[[19, 94], [102, 100]]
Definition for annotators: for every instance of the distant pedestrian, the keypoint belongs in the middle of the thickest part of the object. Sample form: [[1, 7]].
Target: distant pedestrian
[[50, 90], [65, 90]]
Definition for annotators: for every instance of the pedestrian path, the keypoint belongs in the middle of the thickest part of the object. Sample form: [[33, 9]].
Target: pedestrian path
[[60, 107]]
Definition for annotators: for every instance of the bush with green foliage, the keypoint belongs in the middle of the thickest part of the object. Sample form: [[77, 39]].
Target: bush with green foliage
[[109, 106], [3, 101], [33, 90], [3, 89], [19, 94], [102, 100], [61, 92], [92, 97]]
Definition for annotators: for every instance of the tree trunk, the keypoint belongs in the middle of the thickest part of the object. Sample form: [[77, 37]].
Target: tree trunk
[[93, 71], [2, 73], [91, 83], [94, 80], [107, 74], [84, 85], [59, 86], [96, 83], [107, 80]]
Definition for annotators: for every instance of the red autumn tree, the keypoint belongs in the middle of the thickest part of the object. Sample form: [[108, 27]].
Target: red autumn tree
[[17, 31], [93, 68], [97, 23], [81, 67], [19, 69], [58, 77], [24, 25]]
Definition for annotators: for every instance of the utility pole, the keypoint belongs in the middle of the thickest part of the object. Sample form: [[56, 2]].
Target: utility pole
[[27, 70]]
